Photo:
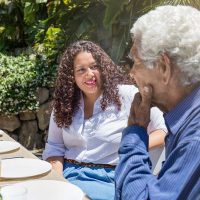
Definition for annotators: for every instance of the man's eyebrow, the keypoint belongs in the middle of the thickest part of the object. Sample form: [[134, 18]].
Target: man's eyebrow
[[93, 63], [130, 57]]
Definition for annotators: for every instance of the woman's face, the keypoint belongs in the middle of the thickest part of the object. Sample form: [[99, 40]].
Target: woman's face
[[87, 74]]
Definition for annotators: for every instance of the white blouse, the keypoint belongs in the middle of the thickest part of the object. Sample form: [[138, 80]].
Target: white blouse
[[96, 139]]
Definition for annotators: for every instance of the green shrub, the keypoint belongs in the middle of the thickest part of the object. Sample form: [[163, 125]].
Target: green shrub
[[19, 79], [46, 71]]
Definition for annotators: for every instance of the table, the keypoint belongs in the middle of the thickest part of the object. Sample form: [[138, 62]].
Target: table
[[23, 152]]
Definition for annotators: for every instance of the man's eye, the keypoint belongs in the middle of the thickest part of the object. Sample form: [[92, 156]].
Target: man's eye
[[130, 61]]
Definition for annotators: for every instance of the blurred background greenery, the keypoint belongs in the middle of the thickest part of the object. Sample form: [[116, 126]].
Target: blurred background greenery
[[34, 33]]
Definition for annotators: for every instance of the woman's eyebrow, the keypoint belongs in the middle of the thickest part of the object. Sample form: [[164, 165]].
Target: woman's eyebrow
[[78, 66]]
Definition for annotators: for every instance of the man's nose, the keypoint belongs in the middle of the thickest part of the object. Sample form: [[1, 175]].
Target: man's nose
[[132, 72]]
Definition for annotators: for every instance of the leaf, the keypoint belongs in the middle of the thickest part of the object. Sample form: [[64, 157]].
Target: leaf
[[30, 10], [113, 9], [84, 27], [4, 1], [119, 44], [41, 1]]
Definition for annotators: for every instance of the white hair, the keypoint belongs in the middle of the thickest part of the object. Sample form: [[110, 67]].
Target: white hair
[[174, 30]]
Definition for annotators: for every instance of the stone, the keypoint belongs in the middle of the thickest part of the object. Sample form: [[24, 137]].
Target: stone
[[51, 92], [9, 123], [39, 144], [27, 116], [43, 115], [43, 95], [27, 133], [45, 137], [15, 137]]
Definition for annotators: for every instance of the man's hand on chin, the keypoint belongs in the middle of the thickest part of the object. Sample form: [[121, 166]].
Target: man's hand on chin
[[140, 108]]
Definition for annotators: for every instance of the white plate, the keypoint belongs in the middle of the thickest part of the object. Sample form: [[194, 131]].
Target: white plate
[[23, 167], [1, 132], [6, 146], [51, 190]]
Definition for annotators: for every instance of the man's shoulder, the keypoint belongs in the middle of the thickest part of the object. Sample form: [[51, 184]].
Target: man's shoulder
[[189, 137]]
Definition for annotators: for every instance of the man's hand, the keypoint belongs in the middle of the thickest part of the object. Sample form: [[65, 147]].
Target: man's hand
[[140, 108]]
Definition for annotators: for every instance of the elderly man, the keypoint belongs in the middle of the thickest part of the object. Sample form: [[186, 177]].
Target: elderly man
[[166, 54]]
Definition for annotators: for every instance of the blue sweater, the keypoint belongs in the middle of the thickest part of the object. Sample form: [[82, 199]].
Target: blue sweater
[[179, 176]]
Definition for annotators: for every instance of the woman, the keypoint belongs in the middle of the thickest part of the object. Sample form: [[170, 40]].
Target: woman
[[91, 108]]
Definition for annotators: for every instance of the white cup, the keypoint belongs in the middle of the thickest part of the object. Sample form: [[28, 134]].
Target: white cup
[[13, 192]]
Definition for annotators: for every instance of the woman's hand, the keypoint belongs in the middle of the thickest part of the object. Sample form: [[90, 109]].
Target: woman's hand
[[57, 163], [157, 138]]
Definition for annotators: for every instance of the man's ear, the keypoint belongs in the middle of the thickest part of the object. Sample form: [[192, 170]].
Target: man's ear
[[165, 68]]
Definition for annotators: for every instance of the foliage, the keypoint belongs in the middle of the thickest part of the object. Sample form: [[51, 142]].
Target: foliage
[[73, 21], [27, 23], [18, 84], [47, 27], [120, 16], [19, 21], [20, 77], [47, 56], [11, 28]]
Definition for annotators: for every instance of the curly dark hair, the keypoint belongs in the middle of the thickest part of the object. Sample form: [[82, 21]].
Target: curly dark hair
[[67, 94]]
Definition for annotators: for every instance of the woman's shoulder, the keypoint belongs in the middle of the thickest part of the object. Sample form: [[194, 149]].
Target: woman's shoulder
[[127, 90]]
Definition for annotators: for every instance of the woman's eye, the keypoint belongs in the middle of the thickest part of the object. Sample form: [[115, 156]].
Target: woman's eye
[[94, 67], [80, 70]]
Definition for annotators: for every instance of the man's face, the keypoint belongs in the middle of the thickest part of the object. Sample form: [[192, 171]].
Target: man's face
[[147, 77]]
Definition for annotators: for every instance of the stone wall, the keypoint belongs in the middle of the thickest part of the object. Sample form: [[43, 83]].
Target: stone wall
[[30, 128]]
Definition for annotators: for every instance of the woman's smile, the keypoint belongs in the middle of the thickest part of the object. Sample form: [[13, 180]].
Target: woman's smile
[[91, 82]]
